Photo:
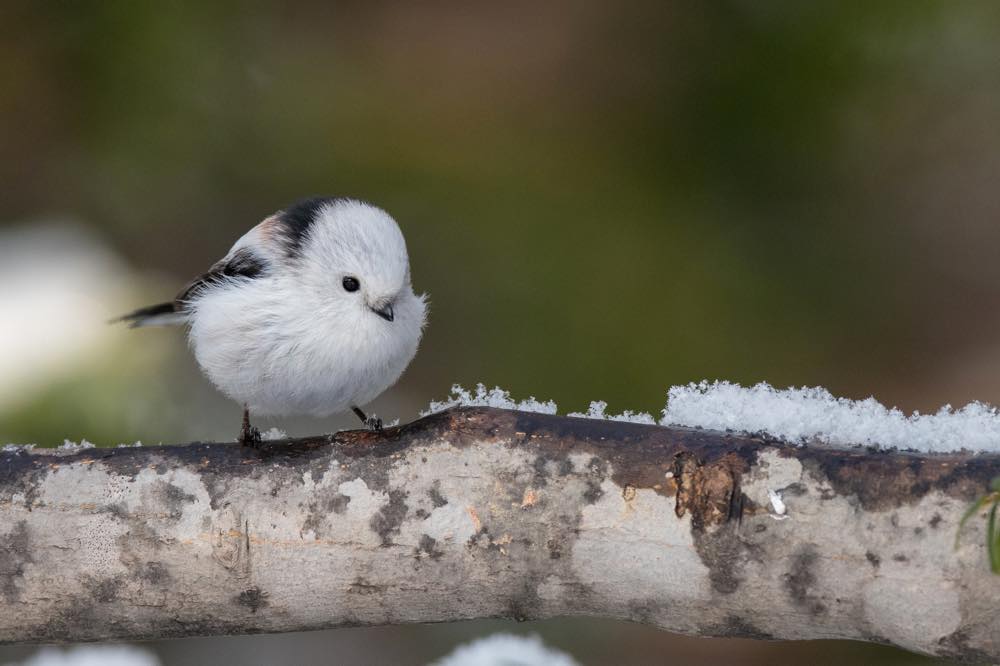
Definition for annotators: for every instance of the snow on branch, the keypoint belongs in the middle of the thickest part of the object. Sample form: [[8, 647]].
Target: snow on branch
[[793, 415], [813, 415], [496, 397]]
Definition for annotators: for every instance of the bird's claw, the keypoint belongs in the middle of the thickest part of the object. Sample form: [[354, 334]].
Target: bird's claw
[[374, 423], [250, 436]]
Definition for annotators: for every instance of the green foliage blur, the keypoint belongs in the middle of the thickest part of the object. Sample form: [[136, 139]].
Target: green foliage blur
[[602, 199], [990, 501]]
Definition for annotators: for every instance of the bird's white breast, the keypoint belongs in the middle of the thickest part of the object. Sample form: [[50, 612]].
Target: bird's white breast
[[262, 343]]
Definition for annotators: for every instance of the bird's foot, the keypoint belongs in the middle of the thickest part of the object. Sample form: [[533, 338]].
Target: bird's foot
[[250, 436], [372, 422]]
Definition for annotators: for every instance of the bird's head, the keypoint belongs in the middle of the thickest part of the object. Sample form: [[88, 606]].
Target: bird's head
[[353, 261]]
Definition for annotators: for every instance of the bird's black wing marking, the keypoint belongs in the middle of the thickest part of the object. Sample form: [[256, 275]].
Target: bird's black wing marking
[[296, 220], [142, 316], [242, 264]]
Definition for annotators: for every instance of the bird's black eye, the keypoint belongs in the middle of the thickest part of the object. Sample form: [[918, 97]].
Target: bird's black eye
[[351, 283]]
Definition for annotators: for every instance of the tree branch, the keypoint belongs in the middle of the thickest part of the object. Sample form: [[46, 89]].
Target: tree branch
[[479, 512]]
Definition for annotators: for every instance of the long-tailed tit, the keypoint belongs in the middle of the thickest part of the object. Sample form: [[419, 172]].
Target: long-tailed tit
[[311, 312]]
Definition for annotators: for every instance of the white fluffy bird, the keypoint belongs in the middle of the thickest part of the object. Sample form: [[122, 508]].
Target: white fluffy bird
[[311, 312]]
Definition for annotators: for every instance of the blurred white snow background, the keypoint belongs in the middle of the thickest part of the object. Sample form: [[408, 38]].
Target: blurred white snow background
[[91, 655], [506, 650], [56, 284], [68, 374]]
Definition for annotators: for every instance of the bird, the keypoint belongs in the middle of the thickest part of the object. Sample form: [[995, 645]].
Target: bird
[[311, 312]]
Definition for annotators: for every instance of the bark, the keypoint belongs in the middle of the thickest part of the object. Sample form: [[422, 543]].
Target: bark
[[476, 513]]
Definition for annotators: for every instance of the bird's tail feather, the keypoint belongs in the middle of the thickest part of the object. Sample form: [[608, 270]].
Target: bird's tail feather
[[161, 314]]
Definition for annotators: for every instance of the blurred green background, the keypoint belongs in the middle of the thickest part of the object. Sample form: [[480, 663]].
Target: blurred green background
[[602, 200]]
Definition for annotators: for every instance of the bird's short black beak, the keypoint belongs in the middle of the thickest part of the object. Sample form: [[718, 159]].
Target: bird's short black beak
[[385, 312]]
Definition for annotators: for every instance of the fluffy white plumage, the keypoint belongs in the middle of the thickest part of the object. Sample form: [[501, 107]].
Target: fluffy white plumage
[[275, 325]]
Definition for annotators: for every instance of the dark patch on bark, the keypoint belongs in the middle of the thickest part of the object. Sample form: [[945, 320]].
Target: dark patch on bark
[[140, 532], [253, 598], [800, 579], [330, 501], [390, 517], [77, 618], [428, 547], [116, 511], [173, 498], [104, 590], [154, 573], [593, 492], [554, 548], [869, 637], [899, 557], [541, 472], [362, 586], [884, 480], [873, 559], [722, 551], [598, 467], [316, 474], [15, 552], [474, 540], [217, 486], [597, 471], [21, 474], [338, 503], [734, 626], [956, 646], [935, 520], [437, 499], [519, 609], [643, 612], [794, 490], [314, 521], [525, 604]]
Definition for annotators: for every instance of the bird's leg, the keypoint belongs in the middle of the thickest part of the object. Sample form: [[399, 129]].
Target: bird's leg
[[373, 423], [249, 436]]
